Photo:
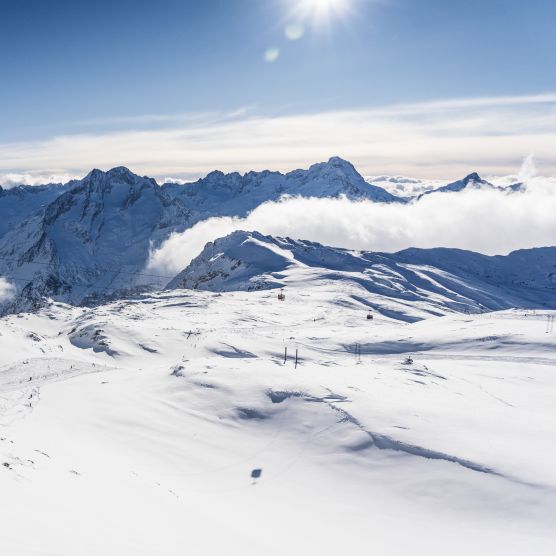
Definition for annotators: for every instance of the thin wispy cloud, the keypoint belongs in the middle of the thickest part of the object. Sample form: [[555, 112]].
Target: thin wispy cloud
[[190, 118], [442, 139], [478, 102]]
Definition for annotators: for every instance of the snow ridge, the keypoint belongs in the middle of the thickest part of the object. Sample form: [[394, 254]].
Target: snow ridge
[[442, 279], [234, 194]]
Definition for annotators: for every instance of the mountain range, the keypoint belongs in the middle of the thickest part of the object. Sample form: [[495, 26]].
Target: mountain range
[[90, 240], [442, 280]]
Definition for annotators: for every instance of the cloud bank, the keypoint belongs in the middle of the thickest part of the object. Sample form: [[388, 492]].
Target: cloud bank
[[436, 140], [7, 290], [7, 181], [490, 222]]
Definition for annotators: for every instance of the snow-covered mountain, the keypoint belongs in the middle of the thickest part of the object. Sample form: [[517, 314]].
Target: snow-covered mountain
[[234, 194], [19, 203], [92, 240], [446, 279], [473, 181]]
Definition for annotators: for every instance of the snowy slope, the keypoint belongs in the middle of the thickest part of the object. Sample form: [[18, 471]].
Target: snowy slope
[[91, 240], [443, 280], [134, 428], [19, 203]]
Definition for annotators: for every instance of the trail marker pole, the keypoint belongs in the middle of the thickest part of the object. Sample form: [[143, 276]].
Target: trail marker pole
[[285, 355], [296, 353]]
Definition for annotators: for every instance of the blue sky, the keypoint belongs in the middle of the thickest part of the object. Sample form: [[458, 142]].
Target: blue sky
[[96, 68]]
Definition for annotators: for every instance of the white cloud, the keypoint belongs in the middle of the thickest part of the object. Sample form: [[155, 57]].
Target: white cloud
[[403, 186], [436, 140], [8, 181], [180, 249], [7, 290], [528, 169], [486, 221]]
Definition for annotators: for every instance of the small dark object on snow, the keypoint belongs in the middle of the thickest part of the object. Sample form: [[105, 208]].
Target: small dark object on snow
[[369, 316], [6, 464], [281, 296], [256, 473], [408, 361]]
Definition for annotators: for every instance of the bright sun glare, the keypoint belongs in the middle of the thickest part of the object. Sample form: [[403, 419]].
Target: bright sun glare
[[322, 9]]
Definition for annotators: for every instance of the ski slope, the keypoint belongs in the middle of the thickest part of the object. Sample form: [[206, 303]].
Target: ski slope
[[134, 428]]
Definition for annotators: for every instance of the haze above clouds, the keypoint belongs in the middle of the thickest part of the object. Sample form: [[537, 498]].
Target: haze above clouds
[[435, 140]]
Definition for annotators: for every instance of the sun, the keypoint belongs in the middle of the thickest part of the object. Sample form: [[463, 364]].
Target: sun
[[319, 10], [323, 5]]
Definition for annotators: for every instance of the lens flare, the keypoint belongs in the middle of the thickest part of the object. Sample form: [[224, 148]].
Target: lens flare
[[294, 31], [271, 55]]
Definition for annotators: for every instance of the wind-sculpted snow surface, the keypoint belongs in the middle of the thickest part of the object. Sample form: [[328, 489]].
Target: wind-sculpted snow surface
[[144, 426], [444, 279]]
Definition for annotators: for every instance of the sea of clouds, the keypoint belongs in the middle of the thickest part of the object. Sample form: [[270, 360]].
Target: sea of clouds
[[483, 220]]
